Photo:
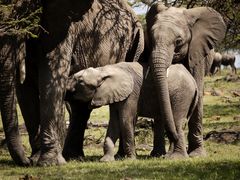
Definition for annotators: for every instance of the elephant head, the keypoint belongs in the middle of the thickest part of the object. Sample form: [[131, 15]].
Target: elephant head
[[181, 35], [101, 86]]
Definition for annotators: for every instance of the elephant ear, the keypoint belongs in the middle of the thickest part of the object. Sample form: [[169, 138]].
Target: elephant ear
[[208, 30], [116, 85]]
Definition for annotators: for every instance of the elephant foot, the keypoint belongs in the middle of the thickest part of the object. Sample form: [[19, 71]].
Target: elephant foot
[[25, 162], [176, 155], [132, 157], [119, 156], [155, 153], [50, 159], [107, 158], [73, 155], [198, 152], [34, 158]]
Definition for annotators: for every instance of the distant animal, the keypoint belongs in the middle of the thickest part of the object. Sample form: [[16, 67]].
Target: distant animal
[[229, 59], [216, 64], [130, 91], [223, 59]]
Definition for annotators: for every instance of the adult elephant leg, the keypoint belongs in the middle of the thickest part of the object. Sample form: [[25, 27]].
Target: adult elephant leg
[[120, 153], [28, 99], [158, 138], [29, 105], [195, 136], [73, 147], [53, 73], [8, 104]]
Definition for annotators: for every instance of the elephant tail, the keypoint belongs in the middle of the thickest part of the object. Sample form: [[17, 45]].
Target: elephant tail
[[136, 50]]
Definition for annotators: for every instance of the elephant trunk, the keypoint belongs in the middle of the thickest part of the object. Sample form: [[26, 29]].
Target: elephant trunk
[[21, 54], [10, 125], [22, 71], [161, 59], [8, 104]]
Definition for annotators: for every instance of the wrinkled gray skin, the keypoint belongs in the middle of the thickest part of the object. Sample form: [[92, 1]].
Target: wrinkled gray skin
[[12, 54], [185, 36], [223, 59], [82, 34], [129, 89]]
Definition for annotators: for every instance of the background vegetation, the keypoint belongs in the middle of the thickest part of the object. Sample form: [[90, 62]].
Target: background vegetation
[[221, 114], [229, 9], [21, 17]]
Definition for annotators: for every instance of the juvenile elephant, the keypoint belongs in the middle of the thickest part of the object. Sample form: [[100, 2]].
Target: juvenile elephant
[[185, 36], [130, 91], [79, 34]]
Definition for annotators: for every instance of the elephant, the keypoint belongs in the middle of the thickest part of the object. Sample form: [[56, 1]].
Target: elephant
[[15, 19], [129, 89], [80, 34], [187, 36], [223, 59], [216, 64], [12, 54], [229, 59]]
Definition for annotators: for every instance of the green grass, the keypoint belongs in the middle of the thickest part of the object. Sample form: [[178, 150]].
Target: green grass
[[222, 161]]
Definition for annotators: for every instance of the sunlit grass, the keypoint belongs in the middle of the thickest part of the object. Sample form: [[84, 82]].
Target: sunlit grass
[[221, 163]]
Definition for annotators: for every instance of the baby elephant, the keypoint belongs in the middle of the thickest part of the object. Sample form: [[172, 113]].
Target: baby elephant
[[129, 89]]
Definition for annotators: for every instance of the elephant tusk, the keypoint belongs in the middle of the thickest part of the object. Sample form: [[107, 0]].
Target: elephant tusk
[[148, 70], [22, 71]]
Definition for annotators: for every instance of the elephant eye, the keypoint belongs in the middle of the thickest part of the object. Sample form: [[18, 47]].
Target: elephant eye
[[178, 42], [91, 87]]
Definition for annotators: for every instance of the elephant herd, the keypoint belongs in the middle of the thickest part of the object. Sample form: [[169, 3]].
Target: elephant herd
[[225, 59], [94, 52]]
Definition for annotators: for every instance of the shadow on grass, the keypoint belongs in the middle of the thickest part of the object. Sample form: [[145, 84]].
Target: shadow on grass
[[223, 125], [157, 169], [143, 168], [7, 162], [97, 158], [186, 170]]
